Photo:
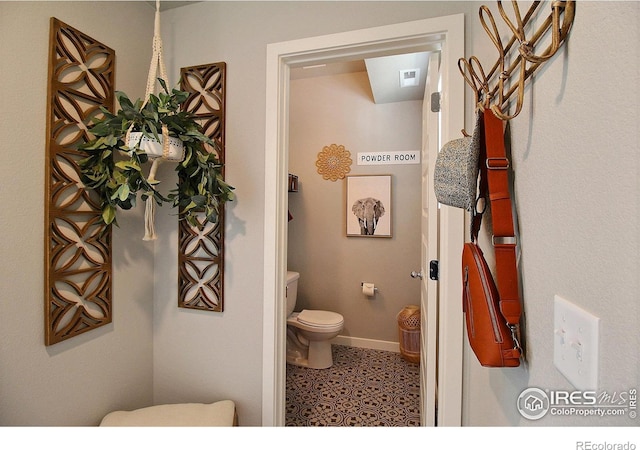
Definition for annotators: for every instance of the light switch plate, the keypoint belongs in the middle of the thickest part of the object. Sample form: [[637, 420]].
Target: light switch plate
[[575, 349]]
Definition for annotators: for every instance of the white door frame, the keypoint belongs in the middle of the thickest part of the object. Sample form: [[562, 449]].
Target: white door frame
[[444, 33], [429, 248]]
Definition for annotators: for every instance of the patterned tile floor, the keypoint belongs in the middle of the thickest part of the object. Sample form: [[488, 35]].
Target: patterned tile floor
[[363, 388]]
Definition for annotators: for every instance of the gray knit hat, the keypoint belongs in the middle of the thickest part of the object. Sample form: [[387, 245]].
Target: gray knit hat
[[456, 170]]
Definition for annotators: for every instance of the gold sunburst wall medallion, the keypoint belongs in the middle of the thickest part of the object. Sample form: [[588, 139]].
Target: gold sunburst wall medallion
[[334, 162]]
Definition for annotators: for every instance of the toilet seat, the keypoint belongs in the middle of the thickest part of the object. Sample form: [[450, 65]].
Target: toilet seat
[[319, 318], [309, 335]]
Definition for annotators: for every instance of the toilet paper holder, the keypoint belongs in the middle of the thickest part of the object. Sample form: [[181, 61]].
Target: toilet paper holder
[[375, 289]]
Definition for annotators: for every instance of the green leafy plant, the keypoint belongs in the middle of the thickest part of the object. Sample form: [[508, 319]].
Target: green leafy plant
[[115, 171]]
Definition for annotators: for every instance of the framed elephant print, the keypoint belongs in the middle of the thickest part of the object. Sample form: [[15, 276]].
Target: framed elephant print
[[368, 205]]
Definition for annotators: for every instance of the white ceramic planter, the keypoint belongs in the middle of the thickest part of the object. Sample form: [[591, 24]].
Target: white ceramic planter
[[153, 148]]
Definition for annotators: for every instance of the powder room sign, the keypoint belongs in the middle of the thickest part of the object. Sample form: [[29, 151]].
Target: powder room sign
[[385, 158]]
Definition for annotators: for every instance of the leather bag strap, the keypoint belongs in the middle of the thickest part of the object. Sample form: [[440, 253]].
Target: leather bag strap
[[496, 168]]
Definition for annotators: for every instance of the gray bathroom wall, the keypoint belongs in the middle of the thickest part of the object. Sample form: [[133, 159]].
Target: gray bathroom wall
[[339, 109]]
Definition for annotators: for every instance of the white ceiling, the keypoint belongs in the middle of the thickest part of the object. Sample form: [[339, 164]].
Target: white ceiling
[[384, 75], [386, 72]]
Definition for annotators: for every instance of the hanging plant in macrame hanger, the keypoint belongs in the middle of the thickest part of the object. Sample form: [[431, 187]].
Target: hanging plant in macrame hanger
[[155, 130]]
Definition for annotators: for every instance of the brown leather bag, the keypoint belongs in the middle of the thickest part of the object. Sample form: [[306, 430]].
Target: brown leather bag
[[489, 336], [492, 312]]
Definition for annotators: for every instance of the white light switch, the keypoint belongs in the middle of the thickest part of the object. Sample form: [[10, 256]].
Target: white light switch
[[575, 349]]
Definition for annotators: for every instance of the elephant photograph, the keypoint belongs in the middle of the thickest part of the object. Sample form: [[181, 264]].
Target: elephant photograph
[[368, 211], [369, 205]]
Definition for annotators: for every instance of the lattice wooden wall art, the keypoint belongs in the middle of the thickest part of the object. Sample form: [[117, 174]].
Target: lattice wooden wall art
[[78, 266], [201, 252]]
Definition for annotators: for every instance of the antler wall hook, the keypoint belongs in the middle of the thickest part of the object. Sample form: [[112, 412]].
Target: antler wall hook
[[495, 89]]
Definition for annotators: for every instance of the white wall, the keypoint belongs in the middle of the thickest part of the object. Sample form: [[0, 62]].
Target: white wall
[[575, 156], [77, 381], [339, 109]]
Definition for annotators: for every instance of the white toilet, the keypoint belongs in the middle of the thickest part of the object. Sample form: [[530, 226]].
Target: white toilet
[[309, 331]]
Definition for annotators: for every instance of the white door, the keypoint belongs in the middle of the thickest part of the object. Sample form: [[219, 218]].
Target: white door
[[429, 247], [446, 33]]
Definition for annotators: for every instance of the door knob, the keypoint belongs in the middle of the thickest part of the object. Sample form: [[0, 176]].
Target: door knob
[[416, 275]]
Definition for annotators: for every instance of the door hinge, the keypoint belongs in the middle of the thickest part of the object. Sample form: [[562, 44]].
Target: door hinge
[[434, 270], [435, 102]]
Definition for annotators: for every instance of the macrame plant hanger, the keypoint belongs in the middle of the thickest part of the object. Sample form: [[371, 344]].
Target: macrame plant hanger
[[157, 62]]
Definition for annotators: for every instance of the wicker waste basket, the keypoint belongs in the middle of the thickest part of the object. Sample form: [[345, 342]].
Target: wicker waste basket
[[409, 333]]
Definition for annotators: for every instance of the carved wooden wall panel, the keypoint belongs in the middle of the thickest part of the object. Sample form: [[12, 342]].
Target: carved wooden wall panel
[[78, 274], [201, 252]]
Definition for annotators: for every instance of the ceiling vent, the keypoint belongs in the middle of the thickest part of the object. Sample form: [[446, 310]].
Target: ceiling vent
[[409, 78]]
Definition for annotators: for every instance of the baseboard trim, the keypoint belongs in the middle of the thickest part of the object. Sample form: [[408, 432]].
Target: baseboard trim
[[372, 344]]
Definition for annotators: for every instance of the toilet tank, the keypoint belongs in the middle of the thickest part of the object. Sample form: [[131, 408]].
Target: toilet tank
[[292, 291]]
